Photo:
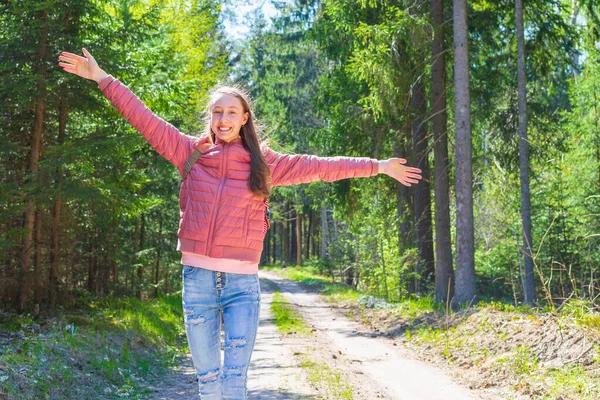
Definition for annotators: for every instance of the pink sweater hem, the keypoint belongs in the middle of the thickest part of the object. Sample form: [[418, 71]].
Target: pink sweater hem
[[219, 264]]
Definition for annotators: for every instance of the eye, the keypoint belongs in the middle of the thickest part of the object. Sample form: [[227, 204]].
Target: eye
[[217, 112]]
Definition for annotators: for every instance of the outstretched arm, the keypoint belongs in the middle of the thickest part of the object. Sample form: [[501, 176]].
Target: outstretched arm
[[164, 137], [289, 169]]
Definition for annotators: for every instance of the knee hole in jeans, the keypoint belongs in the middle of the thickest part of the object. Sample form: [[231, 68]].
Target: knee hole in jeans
[[233, 372], [210, 376], [236, 343], [192, 317]]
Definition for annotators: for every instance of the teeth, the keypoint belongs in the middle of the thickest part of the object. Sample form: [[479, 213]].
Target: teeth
[[224, 129]]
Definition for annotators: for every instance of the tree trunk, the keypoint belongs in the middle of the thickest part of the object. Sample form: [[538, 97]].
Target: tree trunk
[[36, 142], [105, 274], [114, 263], [336, 245], [285, 237], [92, 265], [158, 253], [266, 254], [403, 198], [55, 238], [384, 270], [324, 232], [274, 243], [293, 240], [575, 5], [529, 284], [37, 269], [422, 191], [443, 240], [465, 258], [307, 235], [315, 235], [299, 219], [140, 268]]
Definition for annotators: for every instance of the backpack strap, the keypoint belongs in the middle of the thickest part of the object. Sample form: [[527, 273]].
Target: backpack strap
[[267, 222], [187, 167]]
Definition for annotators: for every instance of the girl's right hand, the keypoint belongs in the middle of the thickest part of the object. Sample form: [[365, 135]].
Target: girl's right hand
[[86, 67]]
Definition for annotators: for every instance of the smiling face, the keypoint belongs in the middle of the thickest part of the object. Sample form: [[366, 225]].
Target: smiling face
[[227, 115]]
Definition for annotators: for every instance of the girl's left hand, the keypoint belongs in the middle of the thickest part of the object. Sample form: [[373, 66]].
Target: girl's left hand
[[395, 168]]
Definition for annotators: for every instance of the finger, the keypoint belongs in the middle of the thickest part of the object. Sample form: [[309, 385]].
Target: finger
[[75, 56], [415, 170], [401, 160], [414, 176], [87, 54], [68, 59], [412, 181], [65, 65], [405, 183]]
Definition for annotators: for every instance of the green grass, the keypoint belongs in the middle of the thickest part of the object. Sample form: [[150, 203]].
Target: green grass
[[334, 291], [338, 292], [521, 361], [114, 348], [322, 375], [286, 319]]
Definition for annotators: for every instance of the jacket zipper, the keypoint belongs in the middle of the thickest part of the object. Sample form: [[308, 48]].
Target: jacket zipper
[[213, 216]]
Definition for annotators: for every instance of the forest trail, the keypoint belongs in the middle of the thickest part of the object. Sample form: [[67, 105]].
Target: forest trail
[[368, 365]]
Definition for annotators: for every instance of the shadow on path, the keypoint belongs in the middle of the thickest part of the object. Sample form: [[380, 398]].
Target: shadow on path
[[269, 394]]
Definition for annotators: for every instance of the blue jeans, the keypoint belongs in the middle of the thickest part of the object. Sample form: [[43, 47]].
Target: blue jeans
[[209, 296]]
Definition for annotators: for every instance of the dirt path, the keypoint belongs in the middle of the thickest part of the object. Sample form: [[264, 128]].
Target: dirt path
[[377, 367], [371, 367]]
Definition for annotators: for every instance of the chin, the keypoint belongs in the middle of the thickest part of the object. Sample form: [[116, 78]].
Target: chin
[[229, 137]]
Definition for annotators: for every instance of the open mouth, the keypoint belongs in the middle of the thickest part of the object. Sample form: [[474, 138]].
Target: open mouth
[[224, 129]]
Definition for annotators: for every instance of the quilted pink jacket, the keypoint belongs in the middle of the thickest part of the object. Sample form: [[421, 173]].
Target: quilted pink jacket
[[220, 217]]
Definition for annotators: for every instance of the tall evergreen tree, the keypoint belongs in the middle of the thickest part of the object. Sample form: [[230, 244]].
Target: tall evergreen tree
[[465, 247], [528, 281], [443, 245]]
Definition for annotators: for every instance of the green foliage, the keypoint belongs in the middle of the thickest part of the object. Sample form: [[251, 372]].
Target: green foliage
[[117, 349]]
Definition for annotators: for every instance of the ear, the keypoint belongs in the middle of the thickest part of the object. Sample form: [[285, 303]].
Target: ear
[[246, 116]]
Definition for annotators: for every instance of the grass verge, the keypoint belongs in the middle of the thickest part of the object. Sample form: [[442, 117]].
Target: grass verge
[[112, 348]]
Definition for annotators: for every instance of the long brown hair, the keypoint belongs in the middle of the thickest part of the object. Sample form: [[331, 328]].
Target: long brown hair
[[260, 175]]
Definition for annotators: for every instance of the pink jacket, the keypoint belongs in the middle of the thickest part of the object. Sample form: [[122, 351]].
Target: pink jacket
[[220, 217]]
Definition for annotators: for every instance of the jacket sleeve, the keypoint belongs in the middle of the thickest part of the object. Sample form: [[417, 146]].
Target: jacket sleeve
[[287, 169], [167, 140]]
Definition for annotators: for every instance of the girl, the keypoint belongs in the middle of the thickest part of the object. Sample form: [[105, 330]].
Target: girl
[[228, 176]]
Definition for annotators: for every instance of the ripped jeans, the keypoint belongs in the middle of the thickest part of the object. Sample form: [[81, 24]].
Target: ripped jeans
[[208, 295]]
